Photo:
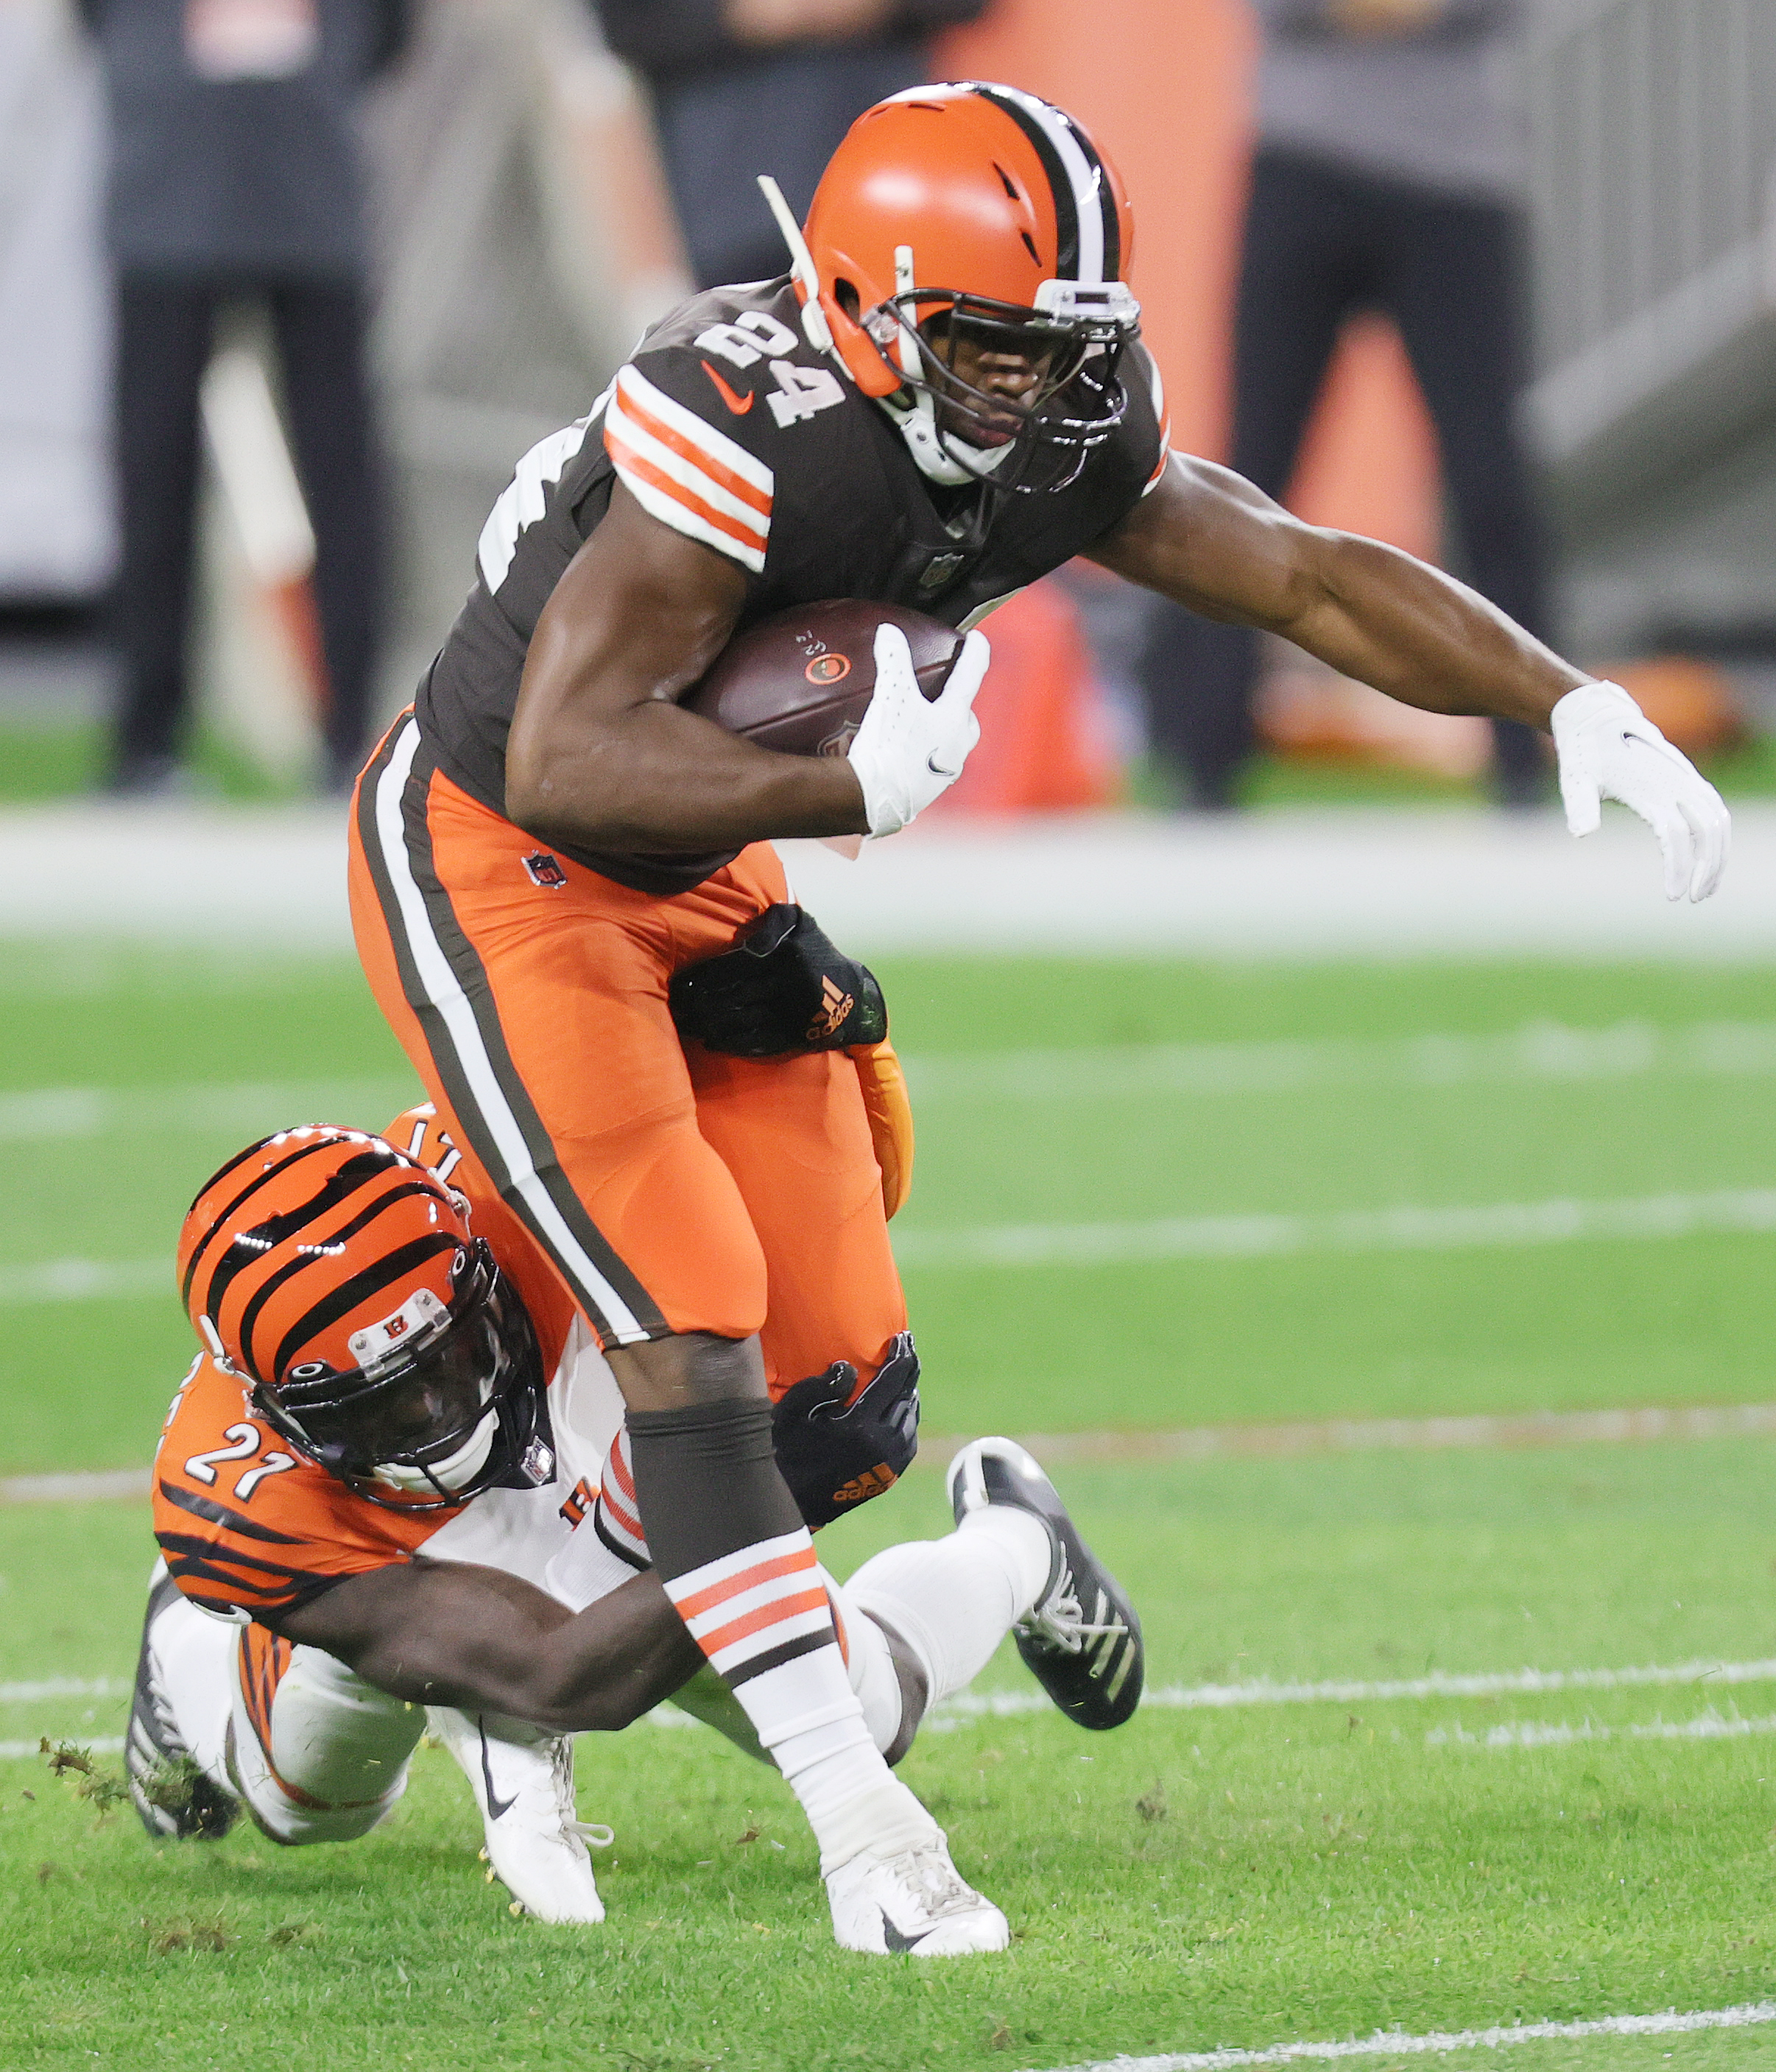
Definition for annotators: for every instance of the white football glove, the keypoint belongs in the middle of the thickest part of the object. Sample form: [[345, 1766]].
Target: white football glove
[[910, 749], [1609, 748]]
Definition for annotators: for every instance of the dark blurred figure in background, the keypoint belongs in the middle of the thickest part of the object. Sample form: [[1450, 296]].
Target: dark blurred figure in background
[[745, 87], [236, 171], [1389, 175]]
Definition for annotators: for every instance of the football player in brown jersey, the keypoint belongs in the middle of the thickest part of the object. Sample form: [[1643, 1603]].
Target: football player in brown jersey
[[944, 399]]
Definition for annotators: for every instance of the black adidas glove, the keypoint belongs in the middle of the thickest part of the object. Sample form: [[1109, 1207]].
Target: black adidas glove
[[836, 1455], [783, 987]]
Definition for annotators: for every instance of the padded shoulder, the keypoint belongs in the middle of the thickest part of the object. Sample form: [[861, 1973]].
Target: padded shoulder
[[245, 1525], [700, 422]]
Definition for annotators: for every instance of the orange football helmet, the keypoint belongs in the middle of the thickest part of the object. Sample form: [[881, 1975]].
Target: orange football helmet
[[339, 1279], [994, 213]]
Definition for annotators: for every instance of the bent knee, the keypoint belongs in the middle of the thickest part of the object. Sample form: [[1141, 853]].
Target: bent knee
[[294, 1826], [689, 1368]]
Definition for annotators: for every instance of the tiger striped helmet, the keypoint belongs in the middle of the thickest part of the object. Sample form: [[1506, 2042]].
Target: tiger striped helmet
[[341, 1282], [992, 212]]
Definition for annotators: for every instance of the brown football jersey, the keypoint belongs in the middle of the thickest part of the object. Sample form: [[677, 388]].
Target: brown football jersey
[[730, 427]]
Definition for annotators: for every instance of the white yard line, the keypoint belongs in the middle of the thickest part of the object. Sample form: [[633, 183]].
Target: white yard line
[[96, 1744], [100, 1486], [85, 1279], [1536, 1051], [1393, 883], [1368, 1435], [1643, 1425], [1709, 1726], [59, 1114], [1748, 1211], [969, 1706], [1739, 1212], [1393, 2043], [62, 1687], [1539, 1050]]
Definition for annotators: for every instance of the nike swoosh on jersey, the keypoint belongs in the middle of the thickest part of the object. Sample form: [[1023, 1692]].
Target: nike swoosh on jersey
[[497, 1806], [684, 472], [739, 404]]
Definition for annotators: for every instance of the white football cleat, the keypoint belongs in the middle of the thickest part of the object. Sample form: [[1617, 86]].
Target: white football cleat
[[536, 1844], [912, 1903]]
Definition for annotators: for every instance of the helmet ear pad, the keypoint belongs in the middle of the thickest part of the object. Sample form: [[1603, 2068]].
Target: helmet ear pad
[[846, 293], [863, 358]]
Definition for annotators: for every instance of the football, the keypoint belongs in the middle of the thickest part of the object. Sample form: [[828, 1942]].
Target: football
[[800, 681]]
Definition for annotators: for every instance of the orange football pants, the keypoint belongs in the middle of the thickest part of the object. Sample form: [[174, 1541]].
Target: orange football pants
[[673, 1189]]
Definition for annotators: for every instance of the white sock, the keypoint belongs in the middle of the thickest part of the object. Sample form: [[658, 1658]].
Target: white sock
[[952, 1601], [808, 1717], [768, 1604], [868, 1662]]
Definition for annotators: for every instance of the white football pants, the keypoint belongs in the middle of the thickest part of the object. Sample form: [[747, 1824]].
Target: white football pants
[[317, 1754]]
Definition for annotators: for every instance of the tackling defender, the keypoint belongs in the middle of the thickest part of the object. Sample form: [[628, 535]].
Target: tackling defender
[[400, 1472], [943, 400]]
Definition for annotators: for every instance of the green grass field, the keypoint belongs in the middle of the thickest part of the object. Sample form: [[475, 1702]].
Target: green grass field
[[1235, 1875]]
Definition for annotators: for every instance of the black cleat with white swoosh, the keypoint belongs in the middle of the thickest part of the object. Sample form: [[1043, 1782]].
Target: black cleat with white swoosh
[[1081, 1641]]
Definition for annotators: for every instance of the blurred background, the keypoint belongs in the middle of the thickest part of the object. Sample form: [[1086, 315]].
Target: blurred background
[[1359, 1191], [286, 287], [515, 228]]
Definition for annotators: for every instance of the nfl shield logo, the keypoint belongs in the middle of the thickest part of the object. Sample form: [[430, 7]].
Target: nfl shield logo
[[544, 870]]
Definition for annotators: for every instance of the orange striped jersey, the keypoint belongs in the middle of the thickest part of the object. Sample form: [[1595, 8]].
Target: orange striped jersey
[[250, 1528], [729, 427], [246, 1524]]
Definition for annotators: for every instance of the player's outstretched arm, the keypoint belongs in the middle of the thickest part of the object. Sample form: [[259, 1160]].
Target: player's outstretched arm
[[449, 1633], [1209, 540], [602, 755]]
